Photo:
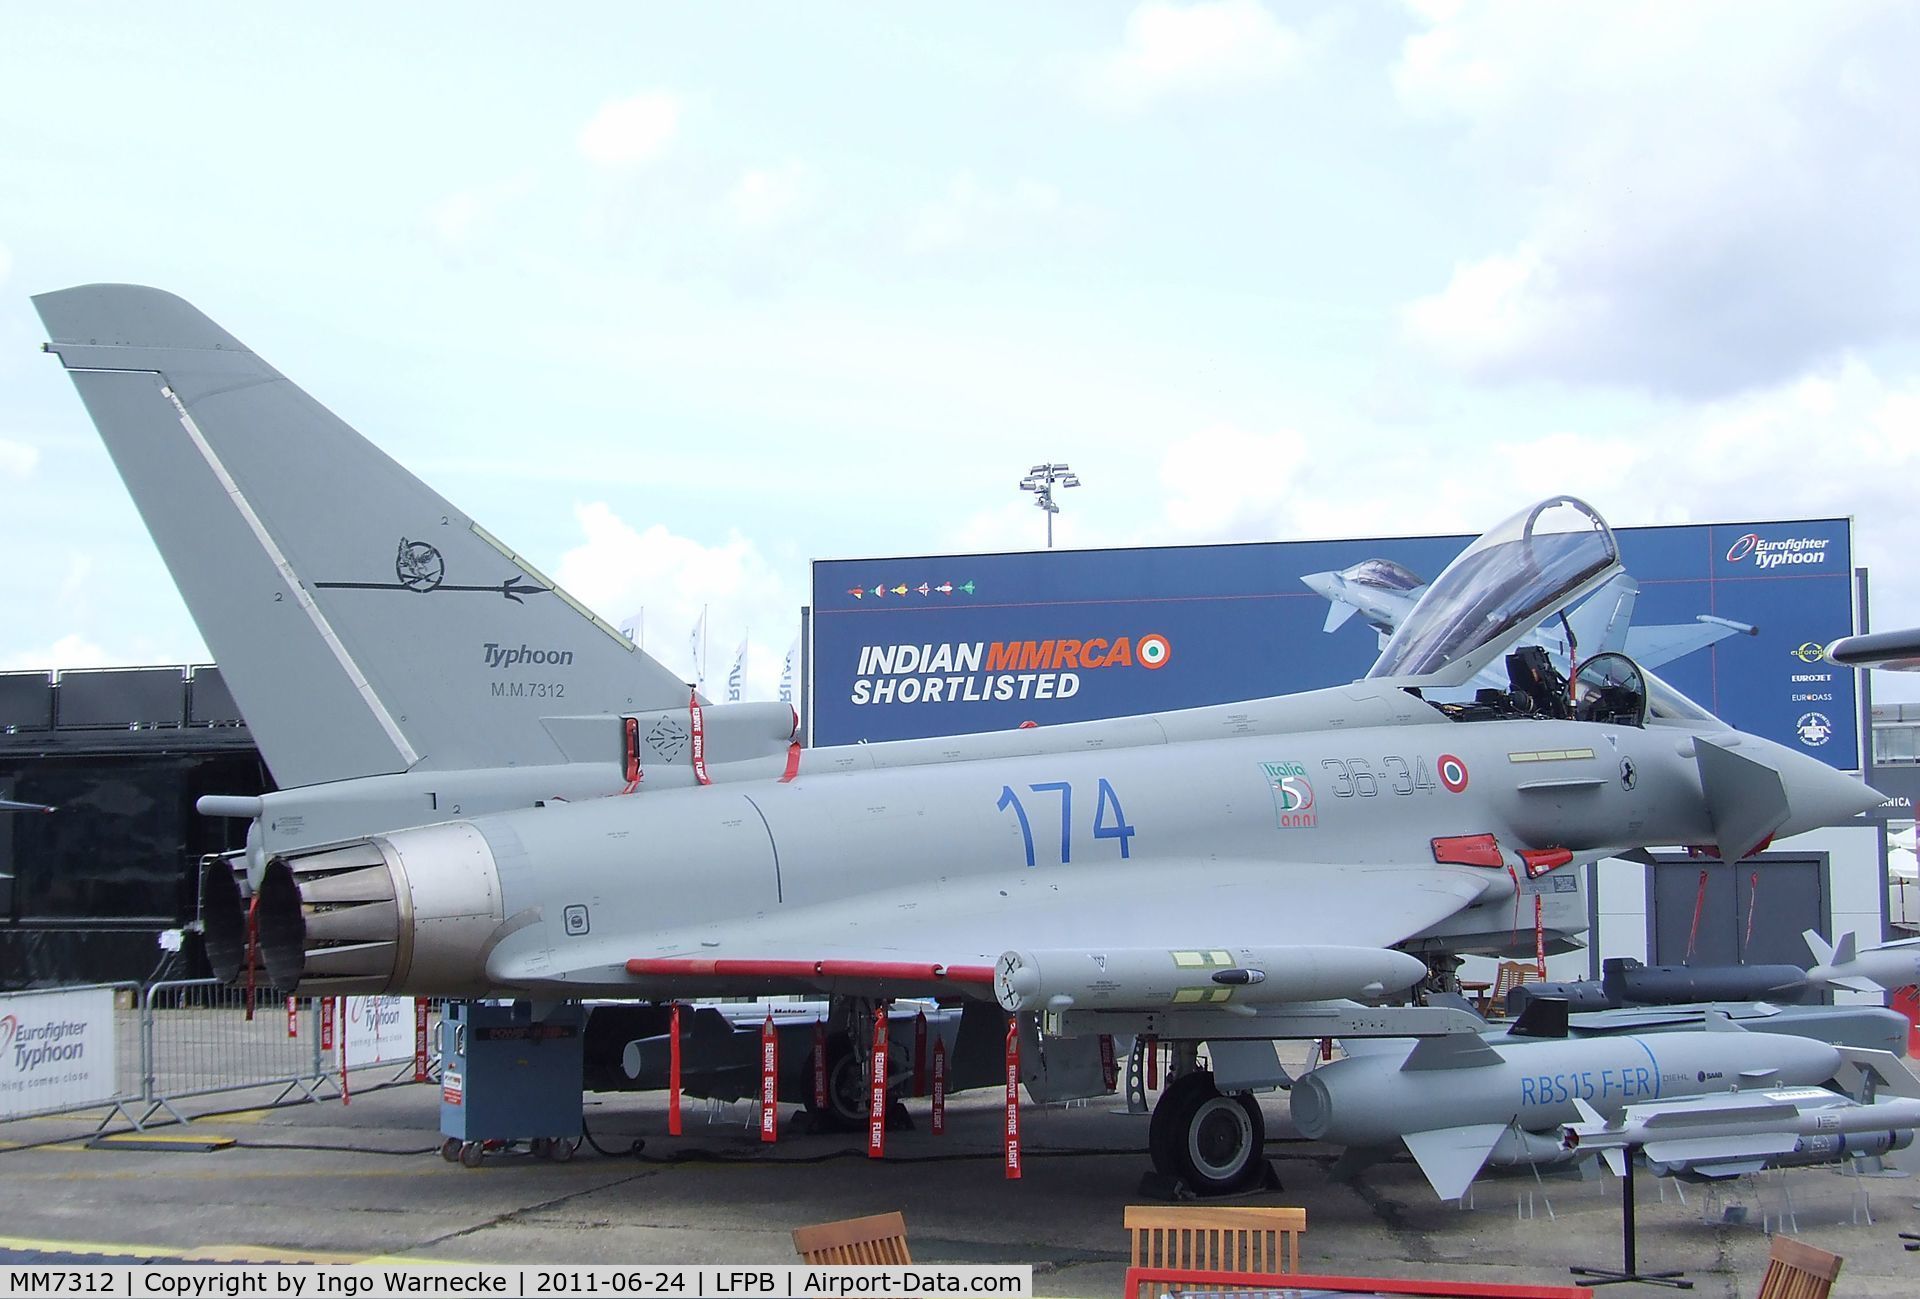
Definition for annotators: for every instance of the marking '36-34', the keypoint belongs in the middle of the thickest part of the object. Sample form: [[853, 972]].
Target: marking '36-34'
[[1293, 790]]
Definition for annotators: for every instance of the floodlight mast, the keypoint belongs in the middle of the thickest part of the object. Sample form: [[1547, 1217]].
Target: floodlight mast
[[1041, 480]]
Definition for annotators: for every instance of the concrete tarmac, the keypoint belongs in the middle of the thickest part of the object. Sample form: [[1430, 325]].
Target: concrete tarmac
[[365, 1181]]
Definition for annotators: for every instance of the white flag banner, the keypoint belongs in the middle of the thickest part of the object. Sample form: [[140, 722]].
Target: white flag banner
[[787, 666], [737, 674], [697, 640]]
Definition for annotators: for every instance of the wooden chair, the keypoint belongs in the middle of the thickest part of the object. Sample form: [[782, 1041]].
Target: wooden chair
[[1509, 975], [1234, 1239], [1798, 1271], [878, 1241]]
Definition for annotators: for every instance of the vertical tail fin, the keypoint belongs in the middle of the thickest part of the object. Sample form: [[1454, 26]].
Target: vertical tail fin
[[365, 625], [1821, 949]]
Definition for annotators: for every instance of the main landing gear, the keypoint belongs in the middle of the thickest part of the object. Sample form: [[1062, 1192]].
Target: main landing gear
[[1206, 1142]]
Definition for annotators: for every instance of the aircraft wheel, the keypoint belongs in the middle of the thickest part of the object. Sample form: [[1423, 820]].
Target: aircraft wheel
[[847, 1098], [450, 1150], [471, 1153], [1211, 1142]]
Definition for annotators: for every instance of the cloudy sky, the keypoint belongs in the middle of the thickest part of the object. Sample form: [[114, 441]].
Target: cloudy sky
[[675, 299]]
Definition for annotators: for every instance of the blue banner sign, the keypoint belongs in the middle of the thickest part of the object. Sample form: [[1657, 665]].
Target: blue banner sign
[[948, 644]]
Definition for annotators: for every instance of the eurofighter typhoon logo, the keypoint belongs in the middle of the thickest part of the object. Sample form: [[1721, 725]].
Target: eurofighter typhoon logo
[[1778, 554], [26, 1048]]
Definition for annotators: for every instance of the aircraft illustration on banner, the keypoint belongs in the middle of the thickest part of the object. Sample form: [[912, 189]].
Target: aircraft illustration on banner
[[1383, 593], [482, 796]]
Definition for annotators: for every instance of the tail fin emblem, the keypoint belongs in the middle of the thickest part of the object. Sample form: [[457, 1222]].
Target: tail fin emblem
[[419, 567]]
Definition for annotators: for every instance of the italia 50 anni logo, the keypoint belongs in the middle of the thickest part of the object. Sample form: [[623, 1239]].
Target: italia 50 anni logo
[[1292, 795]]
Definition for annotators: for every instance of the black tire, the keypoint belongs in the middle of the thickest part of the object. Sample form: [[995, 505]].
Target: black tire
[[450, 1150], [1211, 1142], [561, 1150], [541, 1147], [847, 1094], [472, 1153]]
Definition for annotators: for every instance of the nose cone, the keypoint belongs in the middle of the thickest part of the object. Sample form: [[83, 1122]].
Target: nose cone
[[1803, 1061], [1325, 585], [1818, 795]]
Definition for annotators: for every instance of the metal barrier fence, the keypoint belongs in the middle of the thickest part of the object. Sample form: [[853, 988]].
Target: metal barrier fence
[[198, 1039], [182, 1038]]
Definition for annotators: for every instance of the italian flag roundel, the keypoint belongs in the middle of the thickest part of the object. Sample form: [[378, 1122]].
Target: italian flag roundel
[[1453, 772], [1153, 651]]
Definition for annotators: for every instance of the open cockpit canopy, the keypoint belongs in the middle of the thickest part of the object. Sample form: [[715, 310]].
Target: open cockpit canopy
[[1536, 564]]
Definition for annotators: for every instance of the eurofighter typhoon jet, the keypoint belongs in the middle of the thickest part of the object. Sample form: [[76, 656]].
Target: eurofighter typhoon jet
[[486, 790]]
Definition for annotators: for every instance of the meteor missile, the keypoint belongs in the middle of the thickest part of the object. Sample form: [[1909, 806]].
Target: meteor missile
[[1506, 1097], [1132, 977], [1869, 969], [1726, 1136]]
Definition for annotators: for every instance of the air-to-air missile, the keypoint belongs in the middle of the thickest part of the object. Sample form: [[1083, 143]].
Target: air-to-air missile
[[1462, 1103], [1055, 980], [1864, 969], [1708, 1137]]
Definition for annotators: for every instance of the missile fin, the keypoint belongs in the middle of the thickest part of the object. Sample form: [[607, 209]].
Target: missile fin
[[1454, 1051], [1452, 1157], [1821, 949], [1757, 1145], [1855, 984], [1844, 951], [1588, 1114], [1616, 1160]]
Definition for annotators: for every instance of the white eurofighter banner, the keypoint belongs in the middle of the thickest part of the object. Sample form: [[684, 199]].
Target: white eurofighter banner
[[379, 1030], [56, 1050]]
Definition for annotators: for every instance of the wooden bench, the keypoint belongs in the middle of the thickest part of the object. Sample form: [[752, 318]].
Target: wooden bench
[[1506, 977], [1165, 1283], [1798, 1271], [878, 1241], [1230, 1239]]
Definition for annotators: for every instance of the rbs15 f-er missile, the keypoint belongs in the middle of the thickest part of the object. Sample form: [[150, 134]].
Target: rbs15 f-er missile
[[1508, 1101]]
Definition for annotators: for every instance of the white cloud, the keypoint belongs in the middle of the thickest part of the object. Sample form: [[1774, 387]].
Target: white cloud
[[70, 651], [626, 132], [770, 197], [6, 263], [463, 218], [973, 213], [1713, 196], [1226, 475], [17, 459], [664, 581], [1844, 441], [1173, 49]]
